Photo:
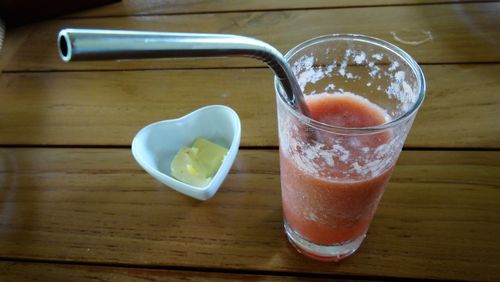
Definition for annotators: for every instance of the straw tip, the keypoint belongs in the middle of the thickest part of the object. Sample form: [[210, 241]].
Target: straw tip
[[64, 45]]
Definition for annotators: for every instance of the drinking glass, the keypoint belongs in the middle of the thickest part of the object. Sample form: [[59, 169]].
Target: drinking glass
[[363, 94]]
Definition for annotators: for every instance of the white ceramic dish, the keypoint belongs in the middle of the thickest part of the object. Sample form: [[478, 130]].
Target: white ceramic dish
[[155, 146]]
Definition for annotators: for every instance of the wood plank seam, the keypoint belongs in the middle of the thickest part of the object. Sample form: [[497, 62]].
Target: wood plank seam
[[242, 147], [278, 10], [305, 275], [7, 71]]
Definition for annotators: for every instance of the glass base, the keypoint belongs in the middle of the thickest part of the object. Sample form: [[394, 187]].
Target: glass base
[[322, 252]]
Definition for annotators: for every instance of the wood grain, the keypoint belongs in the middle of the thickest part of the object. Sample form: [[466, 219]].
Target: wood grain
[[461, 33], [138, 7], [439, 218], [22, 271], [92, 214], [109, 108]]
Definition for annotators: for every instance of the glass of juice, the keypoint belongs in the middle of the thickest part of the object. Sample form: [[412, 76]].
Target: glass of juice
[[363, 94]]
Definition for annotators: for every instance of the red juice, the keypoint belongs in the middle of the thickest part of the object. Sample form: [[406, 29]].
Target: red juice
[[331, 200]]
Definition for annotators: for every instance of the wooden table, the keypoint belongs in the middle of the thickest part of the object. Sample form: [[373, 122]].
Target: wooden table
[[75, 206]]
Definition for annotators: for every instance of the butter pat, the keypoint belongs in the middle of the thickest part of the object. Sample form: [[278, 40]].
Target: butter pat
[[197, 165]]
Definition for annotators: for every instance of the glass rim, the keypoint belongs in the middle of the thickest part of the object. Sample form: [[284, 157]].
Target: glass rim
[[365, 39]]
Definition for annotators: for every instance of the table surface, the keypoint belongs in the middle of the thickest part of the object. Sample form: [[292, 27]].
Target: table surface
[[75, 206]]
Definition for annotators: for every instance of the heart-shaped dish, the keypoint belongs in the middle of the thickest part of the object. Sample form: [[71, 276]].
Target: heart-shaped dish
[[155, 145]]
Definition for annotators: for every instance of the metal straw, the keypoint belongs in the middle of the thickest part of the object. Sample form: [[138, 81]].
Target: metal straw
[[96, 44]]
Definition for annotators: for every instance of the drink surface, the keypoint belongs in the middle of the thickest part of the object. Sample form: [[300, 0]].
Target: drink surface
[[323, 205], [345, 110]]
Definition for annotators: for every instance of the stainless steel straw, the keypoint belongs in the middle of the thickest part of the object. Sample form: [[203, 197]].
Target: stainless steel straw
[[96, 44]]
